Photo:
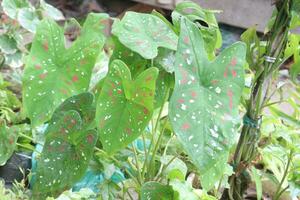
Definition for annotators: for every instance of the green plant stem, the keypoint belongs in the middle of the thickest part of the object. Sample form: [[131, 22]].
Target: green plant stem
[[137, 164], [126, 190], [282, 191], [27, 147], [26, 136], [119, 165], [246, 149], [151, 165], [164, 154], [219, 187], [278, 193], [146, 156], [129, 195], [159, 174], [148, 152], [144, 143], [272, 103], [152, 161]]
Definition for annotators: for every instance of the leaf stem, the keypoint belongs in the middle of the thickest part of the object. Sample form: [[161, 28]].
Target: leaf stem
[[27, 147], [119, 165], [152, 159], [278, 193], [137, 164], [26, 136], [158, 176]]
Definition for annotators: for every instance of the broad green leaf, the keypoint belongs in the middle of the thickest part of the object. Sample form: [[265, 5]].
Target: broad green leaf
[[155, 190], [11, 7], [144, 33], [53, 73], [136, 64], [28, 19], [204, 104], [124, 106], [8, 45], [177, 169], [8, 139], [51, 12], [184, 190], [204, 19], [68, 147]]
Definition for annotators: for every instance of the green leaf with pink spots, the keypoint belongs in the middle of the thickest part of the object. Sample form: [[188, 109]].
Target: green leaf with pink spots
[[83, 103], [54, 73], [8, 139], [124, 106], [144, 33], [68, 147], [204, 105]]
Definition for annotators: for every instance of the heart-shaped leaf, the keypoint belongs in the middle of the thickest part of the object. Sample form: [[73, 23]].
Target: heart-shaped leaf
[[124, 106], [184, 190], [51, 12], [8, 139], [177, 169], [155, 190], [28, 19], [144, 33], [210, 31], [205, 101], [68, 147], [53, 73], [11, 7]]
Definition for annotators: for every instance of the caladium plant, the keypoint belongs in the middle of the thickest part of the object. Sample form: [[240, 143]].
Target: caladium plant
[[125, 106], [68, 147], [204, 104], [54, 73], [137, 99]]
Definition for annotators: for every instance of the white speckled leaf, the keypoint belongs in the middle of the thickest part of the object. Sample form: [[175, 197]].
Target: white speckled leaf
[[205, 101], [124, 106], [12, 7], [68, 147], [144, 33], [53, 73]]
